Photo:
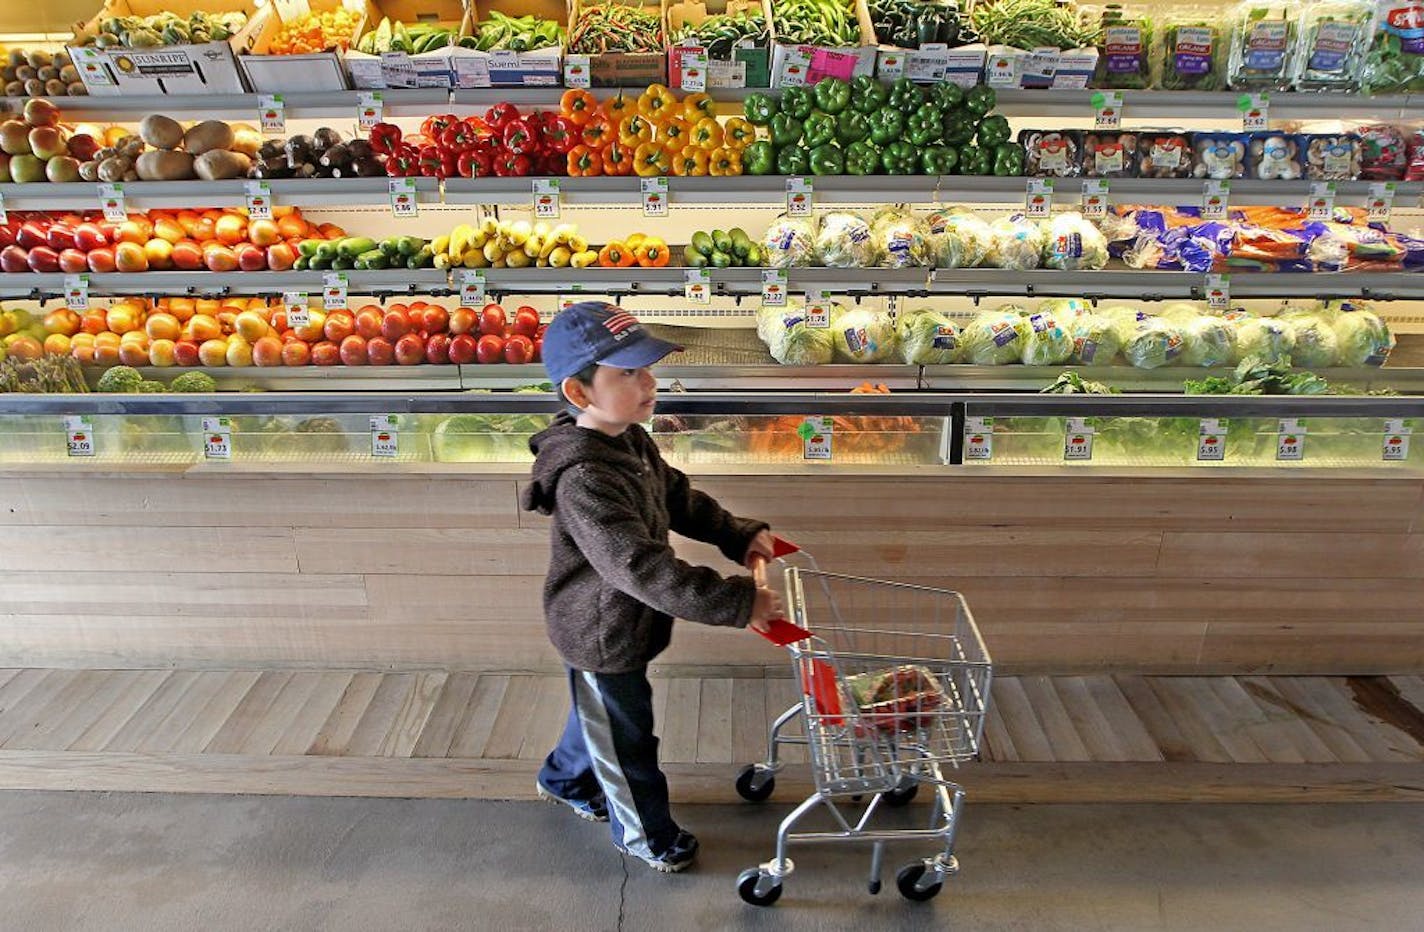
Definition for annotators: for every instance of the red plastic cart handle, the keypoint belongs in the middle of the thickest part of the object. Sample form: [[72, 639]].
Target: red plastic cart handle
[[779, 631]]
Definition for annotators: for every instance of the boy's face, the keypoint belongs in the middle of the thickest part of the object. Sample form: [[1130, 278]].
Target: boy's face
[[616, 399]]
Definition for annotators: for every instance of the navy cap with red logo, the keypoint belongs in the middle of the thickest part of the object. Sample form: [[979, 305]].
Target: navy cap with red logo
[[598, 332]]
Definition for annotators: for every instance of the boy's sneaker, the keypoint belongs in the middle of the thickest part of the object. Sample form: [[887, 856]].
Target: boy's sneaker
[[592, 810], [678, 856]]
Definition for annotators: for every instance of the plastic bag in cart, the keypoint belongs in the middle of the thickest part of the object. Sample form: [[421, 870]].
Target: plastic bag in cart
[[897, 698]]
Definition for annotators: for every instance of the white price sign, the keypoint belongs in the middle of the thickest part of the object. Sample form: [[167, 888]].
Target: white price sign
[[1078, 440], [298, 312], [1255, 112], [1380, 202], [773, 287], [1218, 292], [1038, 198], [217, 438], [472, 288], [694, 69], [1321, 205], [655, 196], [79, 435], [799, 196], [546, 198], [272, 114], [370, 109], [818, 309], [259, 200], [385, 435], [1290, 440], [1211, 441], [697, 286], [815, 433], [333, 291], [111, 202], [978, 438], [1216, 194], [1095, 198], [1107, 110], [402, 194], [577, 72], [76, 292], [1396, 440]]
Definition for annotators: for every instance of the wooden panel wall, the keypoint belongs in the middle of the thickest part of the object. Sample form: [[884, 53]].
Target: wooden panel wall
[[1290, 573]]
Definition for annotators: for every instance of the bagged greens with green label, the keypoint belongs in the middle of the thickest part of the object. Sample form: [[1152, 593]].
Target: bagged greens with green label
[[1394, 63], [1334, 38], [1264, 38]]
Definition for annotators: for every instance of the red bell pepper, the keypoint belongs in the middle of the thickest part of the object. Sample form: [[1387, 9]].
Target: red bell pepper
[[403, 162], [475, 163], [501, 114], [509, 163], [556, 133], [462, 137], [551, 163], [520, 137], [433, 126], [436, 162], [385, 138]]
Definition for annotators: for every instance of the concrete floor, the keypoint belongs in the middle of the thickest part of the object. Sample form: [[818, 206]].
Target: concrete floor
[[79, 861]]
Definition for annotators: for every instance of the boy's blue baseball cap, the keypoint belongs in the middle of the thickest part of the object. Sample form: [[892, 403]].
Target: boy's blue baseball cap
[[598, 332]]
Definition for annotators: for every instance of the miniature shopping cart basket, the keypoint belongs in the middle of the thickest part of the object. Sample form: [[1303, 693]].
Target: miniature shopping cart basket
[[894, 683]]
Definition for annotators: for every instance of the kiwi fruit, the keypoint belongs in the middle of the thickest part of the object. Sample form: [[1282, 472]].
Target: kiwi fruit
[[34, 87], [56, 88], [47, 73], [37, 59], [25, 73], [14, 88], [77, 89]]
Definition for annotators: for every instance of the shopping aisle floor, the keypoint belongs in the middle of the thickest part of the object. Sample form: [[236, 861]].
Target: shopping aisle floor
[[78, 861]]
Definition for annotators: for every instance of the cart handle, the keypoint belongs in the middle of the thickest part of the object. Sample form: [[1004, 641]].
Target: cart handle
[[779, 631]]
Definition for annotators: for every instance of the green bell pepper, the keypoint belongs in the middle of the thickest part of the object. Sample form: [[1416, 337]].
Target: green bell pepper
[[900, 158], [980, 99], [862, 158], [851, 126], [993, 132], [1009, 160], [793, 160], [832, 95], [867, 95], [759, 109], [906, 96], [798, 102], [947, 96], [974, 161], [786, 130], [959, 128], [924, 126], [939, 160], [759, 158], [819, 129], [886, 126], [827, 160]]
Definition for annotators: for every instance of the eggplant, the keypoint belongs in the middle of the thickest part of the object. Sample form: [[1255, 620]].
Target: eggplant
[[271, 149], [325, 137], [299, 150], [368, 167], [359, 149], [275, 167], [338, 156]]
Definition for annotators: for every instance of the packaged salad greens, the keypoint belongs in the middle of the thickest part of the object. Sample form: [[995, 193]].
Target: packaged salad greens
[[1334, 36], [1190, 54], [1395, 61], [1125, 51], [1264, 37]]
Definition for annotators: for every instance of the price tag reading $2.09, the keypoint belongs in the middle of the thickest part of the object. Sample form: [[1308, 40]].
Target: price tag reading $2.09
[[978, 438], [818, 310], [298, 312], [1396, 440], [385, 435], [1078, 440], [815, 433], [79, 435], [773, 287], [1211, 441], [1290, 441], [799, 196], [217, 438]]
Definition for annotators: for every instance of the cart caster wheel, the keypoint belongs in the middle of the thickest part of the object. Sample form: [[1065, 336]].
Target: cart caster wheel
[[874, 887], [908, 879], [755, 785], [746, 888], [901, 796]]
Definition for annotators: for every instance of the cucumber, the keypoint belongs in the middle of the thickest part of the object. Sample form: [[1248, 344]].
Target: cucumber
[[372, 259], [400, 39], [353, 246], [382, 42]]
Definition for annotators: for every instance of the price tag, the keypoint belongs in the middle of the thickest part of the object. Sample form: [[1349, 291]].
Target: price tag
[[4, 214], [79, 435], [111, 202], [773, 287], [1095, 198], [1380, 201], [385, 435], [1211, 441], [1255, 110], [1107, 110], [402, 195], [370, 109], [1215, 197], [1078, 440], [1038, 198], [76, 292], [655, 196], [333, 293], [565, 302], [217, 438], [272, 114], [397, 70], [890, 64], [815, 433], [298, 311], [818, 309], [472, 288], [259, 200], [1321, 205], [546, 198], [577, 72], [1218, 292], [798, 197], [978, 438], [1396, 440], [1290, 441], [694, 69], [697, 286]]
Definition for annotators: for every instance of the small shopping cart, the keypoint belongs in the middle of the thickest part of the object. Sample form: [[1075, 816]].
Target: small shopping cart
[[894, 683]]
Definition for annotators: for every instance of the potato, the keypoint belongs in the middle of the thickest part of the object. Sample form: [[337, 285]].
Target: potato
[[220, 165], [161, 132], [208, 136], [164, 165], [113, 169], [246, 140]]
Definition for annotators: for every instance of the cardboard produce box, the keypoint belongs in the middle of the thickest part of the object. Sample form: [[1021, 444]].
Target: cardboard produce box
[[199, 68], [793, 65], [506, 68], [408, 67], [617, 69], [291, 74], [746, 66]]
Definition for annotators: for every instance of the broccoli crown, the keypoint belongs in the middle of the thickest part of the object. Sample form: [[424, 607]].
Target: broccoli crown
[[193, 383], [123, 379], [150, 387]]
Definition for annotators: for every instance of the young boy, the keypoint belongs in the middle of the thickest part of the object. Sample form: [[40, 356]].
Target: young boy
[[614, 583]]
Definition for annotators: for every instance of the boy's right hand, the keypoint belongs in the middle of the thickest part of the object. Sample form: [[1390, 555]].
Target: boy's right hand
[[765, 608]]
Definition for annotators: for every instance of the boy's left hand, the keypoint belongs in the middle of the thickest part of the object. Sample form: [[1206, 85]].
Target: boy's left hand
[[762, 545]]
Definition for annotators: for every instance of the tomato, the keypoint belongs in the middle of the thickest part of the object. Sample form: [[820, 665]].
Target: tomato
[[490, 349], [519, 350], [526, 322], [492, 320]]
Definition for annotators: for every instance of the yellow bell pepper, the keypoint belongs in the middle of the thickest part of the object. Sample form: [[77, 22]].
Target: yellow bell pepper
[[692, 160], [657, 102], [738, 134], [724, 162], [651, 158], [634, 130], [707, 134], [675, 132], [698, 107]]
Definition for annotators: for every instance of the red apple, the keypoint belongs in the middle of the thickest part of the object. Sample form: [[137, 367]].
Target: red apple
[[295, 353], [463, 320], [43, 259], [60, 237], [410, 350], [368, 322], [379, 351], [101, 260], [88, 237], [353, 351], [187, 256], [490, 349], [518, 350], [185, 353], [14, 259], [72, 262], [437, 349], [251, 258], [539, 349], [492, 320], [435, 319], [462, 348], [526, 322], [83, 146], [31, 234], [395, 324], [325, 353]]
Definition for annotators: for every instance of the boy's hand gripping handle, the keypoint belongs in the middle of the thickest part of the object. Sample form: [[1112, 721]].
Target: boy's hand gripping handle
[[778, 631]]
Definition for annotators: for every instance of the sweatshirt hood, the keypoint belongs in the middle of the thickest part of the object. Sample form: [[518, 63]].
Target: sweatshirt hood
[[564, 444]]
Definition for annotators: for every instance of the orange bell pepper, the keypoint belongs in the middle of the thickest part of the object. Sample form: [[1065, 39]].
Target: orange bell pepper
[[651, 158], [597, 133], [698, 107], [616, 256], [579, 106], [691, 161], [618, 106], [738, 134], [617, 159], [652, 253], [657, 102], [634, 130], [724, 162], [584, 162], [674, 132], [707, 134]]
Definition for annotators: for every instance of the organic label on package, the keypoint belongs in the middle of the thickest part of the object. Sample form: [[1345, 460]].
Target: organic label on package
[[1193, 50], [1333, 41], [1266, 44], [1126, 50]]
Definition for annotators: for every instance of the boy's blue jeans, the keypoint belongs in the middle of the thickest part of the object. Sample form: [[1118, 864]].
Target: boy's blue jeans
[[608, 744]]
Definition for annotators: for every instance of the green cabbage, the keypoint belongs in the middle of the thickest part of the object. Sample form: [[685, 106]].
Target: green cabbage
[[843, 241], [1206, 340], [863, 336], [1152, 343], [1095, 340], [928, 338], [996, 338], [1267, 338], [1047, 343], [796, 344], [1363, 339]]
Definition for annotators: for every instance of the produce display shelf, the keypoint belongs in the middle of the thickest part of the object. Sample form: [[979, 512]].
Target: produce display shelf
[[1163, 286], [1131, 379], [222, 284], [323, 378], [177, 195], [704, 191], [739, 282], [243, 108]]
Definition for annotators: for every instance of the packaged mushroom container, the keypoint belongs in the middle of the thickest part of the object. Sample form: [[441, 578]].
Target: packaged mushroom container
[[1222, 156], [1110, 155], [1277, 156], [1050, 154], [1332, 156], [1165, 155]]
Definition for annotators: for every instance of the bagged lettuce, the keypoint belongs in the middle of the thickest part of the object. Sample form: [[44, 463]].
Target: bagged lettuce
[[1362, 338], [863, 336], [1152, 343], [795, 344], [900, 240], [1124, 320], [1066, 310], [958, 239], [1095, 340], [1206, 340], [996, 338], [1074, 243], [1017, 243], [843, 241], [1047, 342], [1269, 339], [928, 338], [1316, 346], [789, 243]]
